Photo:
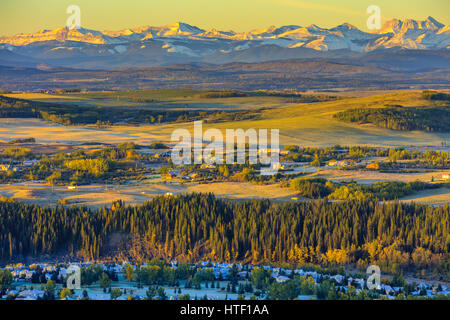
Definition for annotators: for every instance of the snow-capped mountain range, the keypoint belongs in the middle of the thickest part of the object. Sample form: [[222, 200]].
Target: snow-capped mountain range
[[181, 42]]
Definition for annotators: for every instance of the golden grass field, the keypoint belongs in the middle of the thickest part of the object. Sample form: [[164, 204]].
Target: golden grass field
[[100, 195], [439, 196], [369, 177], [306, 124]]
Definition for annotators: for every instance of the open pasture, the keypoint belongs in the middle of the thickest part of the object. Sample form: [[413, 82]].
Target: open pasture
[[305, 124]]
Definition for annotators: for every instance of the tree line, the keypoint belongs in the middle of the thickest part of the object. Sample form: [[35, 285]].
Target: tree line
[[316, 188], [199, 226], [400, 118]]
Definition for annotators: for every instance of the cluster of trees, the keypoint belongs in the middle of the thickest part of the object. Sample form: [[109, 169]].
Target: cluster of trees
[[383, 190], [432, 158], [16, 108], [17, 153], [126, 150], [400, 118], [94, 167], [158, 145], [359, 152], [313, 188], [316, 188], [199, 226], [316, 156], [298, 97], [115, 163], [22, 140], [220, 94], [434, 95], [292, 289], [309, 154], [143, 100], [79, 167], [6, 278], [75, 168], [221, 116]]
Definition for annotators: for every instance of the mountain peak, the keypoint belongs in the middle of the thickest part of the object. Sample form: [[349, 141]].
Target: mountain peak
[[434, 22], [346, 26], [265, 31], [396, 25], [349, 26], [184, 27], [314, 27], [178, 24], [391, 26]]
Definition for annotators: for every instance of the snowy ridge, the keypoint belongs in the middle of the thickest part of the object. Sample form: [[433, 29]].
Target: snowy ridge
[[180, 42]]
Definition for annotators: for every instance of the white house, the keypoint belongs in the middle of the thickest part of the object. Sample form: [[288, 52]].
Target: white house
[[30, 163], [281, 279]]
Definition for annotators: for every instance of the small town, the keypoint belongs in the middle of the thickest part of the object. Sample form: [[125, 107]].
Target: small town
[[158, 280]]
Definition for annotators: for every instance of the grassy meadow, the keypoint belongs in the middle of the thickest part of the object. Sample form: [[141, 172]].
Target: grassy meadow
[[306, 124]]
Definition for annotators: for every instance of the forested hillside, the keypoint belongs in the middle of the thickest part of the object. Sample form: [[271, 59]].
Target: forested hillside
[[199, 226], [399, 118]]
